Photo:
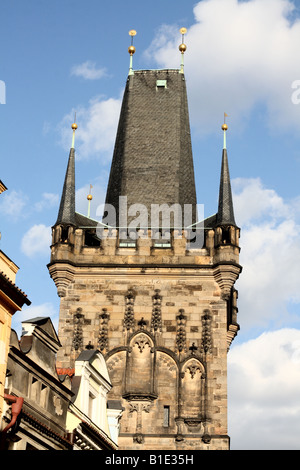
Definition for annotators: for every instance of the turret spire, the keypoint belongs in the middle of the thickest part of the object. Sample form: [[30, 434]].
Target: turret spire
[[66, 213], [225, 214]]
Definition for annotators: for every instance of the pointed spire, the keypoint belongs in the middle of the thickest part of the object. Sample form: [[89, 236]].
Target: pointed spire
[[136, 166], [66, 213], [225, 214]]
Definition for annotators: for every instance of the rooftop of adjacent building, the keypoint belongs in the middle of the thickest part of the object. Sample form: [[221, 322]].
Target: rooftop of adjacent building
[[2, 187]]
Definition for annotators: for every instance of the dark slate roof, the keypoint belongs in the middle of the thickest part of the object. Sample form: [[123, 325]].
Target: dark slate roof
[[37, 320], [66, 213], [210, 222], [225, 215], [152, 161], [83, 221], [87, 355]]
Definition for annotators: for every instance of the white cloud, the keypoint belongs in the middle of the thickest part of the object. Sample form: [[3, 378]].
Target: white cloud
[[13, 204], [47, 200], [244, 54], [263, 390], [36, 241], [252, 201], [88, 71], [270, 255], [97, 127]]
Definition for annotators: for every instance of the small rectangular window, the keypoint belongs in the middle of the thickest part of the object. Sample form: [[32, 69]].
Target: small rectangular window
[[127, 239], [161, 83], [166, 416]]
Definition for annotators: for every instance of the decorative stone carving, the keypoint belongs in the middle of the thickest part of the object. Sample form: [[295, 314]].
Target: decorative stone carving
[[142, 341], [226, 275], [193, 349], [167, 362], [142, 323], [103, 330], [139, 408], [77, 335], [206, 340], [129, 311], [181, 331], [133, 407], [156, 323], [192, 368]]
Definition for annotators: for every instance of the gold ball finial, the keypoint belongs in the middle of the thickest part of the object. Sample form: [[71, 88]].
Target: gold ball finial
[[224, 127], [89, 197], [182, 46], [74, 126], [131, 50]]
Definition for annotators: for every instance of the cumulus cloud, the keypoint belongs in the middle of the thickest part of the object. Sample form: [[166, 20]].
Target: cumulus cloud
[[13, 204], [88, 71], [270, 255], [36, 240], [253, 201], [244, 54], [47, 200], [263, 389], [97, 126]]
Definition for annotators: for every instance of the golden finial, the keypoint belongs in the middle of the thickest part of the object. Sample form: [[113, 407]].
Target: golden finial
[[89, 198], [131, 49], [182, 48], [224, 128], [74, 127]]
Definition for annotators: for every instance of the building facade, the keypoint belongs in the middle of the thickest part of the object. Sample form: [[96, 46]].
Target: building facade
[[46, 408], [154, 294], [92, 424], [36, 400], [12, 299]]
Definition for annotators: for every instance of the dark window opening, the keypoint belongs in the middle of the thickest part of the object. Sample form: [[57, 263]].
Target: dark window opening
[[91, 239]]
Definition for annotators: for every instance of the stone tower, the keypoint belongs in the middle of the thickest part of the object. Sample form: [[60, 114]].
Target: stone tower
[[157, 299]]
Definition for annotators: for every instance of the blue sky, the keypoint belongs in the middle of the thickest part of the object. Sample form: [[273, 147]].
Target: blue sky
[[242, 58]]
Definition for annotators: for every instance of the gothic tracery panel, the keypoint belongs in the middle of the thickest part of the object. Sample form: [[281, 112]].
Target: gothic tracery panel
[[140, 366], [192, 389]]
